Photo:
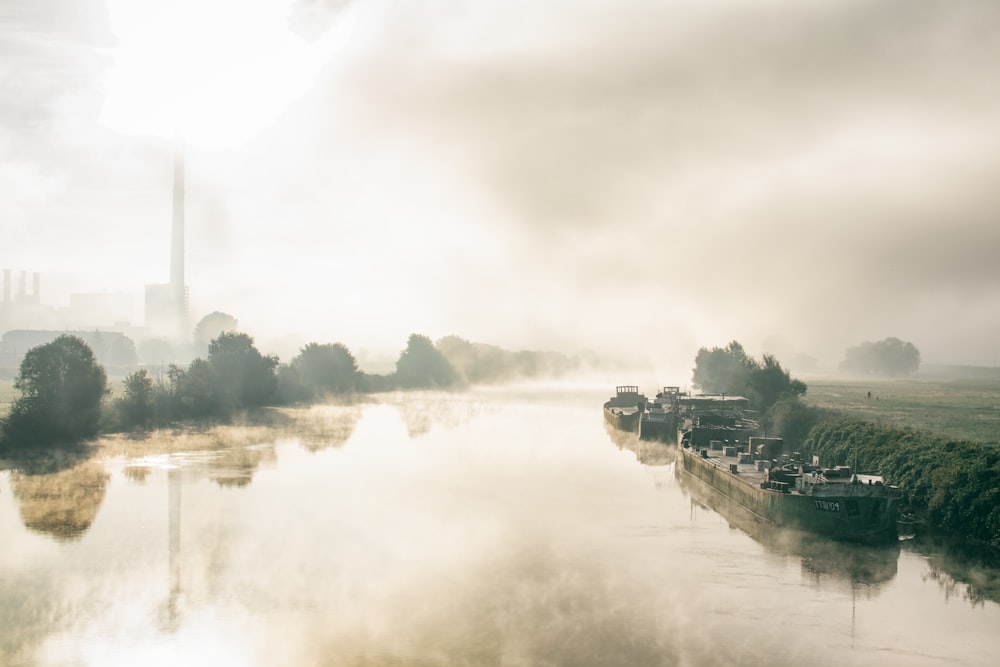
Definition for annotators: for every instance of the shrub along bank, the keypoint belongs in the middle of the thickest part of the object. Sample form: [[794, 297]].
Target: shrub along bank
[[954, 485]]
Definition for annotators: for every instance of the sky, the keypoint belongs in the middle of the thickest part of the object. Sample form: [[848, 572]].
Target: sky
[[638, 178]]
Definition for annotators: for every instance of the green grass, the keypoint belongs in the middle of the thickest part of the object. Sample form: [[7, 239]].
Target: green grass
[[956, 408]]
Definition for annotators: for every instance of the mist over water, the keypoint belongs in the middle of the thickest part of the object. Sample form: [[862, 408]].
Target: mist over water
[[496, 527]]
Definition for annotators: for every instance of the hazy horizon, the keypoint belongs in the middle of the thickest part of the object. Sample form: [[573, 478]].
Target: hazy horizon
[[635, 178]]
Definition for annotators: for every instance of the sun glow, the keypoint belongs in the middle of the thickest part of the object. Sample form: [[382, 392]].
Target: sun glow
[[217, 71]]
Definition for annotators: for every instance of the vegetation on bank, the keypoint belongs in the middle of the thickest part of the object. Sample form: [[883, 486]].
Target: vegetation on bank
[[954, 485], [62, 392], [951, 484]]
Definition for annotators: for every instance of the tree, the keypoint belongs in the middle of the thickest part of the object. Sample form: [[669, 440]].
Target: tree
[[137, 405], [209, 328], [61, 387], [195, 390], [722, 370], [731, 370], [891, 357], [421, 365], [768, 382], [327, 368], [243, 377]]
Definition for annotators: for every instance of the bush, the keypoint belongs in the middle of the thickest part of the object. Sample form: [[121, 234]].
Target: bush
[[61, 388]]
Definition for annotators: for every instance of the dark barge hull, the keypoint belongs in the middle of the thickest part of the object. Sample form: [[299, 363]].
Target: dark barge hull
[[860, 514], [663, 430], [623, 419]]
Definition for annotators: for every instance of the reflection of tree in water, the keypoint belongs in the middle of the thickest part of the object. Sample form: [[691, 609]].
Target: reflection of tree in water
[[137, 474], [324, 426], [961, 571], [421, 410], [62, 504], [235, 467]]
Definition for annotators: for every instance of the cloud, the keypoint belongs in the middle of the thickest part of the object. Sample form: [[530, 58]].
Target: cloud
[[529, 174]]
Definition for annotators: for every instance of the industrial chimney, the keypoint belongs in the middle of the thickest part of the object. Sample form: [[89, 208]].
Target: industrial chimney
[[177, 286]]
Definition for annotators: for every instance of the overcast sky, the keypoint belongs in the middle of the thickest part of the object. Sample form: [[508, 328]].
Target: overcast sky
[[612, 175]]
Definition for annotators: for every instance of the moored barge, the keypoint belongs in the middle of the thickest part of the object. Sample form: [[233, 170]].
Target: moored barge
[[623, 410], [774, 487]]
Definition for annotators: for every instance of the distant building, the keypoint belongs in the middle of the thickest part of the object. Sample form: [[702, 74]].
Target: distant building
[[112, 349]]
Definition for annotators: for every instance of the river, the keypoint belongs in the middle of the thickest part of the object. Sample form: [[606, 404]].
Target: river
[[494, 527]]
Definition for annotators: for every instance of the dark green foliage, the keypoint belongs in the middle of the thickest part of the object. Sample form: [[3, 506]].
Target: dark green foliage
[[318, 370], [479, 363], [422, 366], [61, 387], [768, 382], [890, 357], [731, 371], [194, 391], [953, 484], [137, 406], [243, 377]]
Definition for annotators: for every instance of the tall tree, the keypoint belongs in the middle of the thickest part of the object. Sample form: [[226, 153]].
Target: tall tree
[[138, 403], [60, 387], [243, 376], [722, 370], [326, 368], [421, 365], [768, 382]]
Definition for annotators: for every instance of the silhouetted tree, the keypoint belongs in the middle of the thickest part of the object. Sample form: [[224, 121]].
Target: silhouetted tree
[[243, 376], [722, 370], [891, 357], [195, 390], [421, 365], [61, 387], [319, 369], [731, 370], [137, 405], [767, 382]]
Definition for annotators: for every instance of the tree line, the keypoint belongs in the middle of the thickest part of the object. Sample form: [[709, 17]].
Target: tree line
[[63, 392]]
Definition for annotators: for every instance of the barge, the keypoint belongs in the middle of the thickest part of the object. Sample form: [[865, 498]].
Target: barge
[[623, 410], [753, 472]]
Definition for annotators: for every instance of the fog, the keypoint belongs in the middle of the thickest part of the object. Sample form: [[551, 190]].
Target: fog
[[640, 178]]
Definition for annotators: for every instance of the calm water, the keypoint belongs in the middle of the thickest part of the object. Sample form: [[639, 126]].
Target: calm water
[[499, 527]]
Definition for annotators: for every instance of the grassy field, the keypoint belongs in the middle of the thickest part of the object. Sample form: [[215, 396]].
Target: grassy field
[[960, 408]]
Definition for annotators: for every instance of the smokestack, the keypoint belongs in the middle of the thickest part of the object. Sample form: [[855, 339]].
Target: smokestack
[[36, 287], [177, 289]]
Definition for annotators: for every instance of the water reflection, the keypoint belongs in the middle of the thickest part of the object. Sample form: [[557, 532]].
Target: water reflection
[[510, 532], [865, 567], [960, 571], [61, 503], [647, 452]]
